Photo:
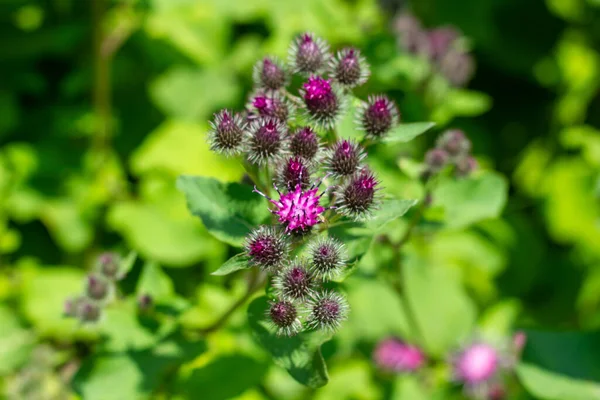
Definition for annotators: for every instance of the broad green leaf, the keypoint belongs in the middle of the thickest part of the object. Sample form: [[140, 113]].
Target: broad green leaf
[[406, 132], [466, 201], [300, 355], [228, 211], [235, 263], [155, 283], [547, 385], [350, 380], [389, 211], [408, 386], [444, 313], [16, 342]]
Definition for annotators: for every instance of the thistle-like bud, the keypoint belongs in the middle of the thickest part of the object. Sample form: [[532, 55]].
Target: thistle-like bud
[[227, 134], [145, 302], [284, 316], [359, 196], [344, 158], [436, 160], [308, 54], [271, 105], [327, 311], [266, 141], [328, 257], [305, 143], [89, 312], [97, 288], [269, 73], [349, 68], [411, 36], [323, 104], [440, 41], [294, 171], [108, 265], [465, 166], [378, 115], [71, 306], [476, 364], [295, 282], [458, 67], [397, 356], [266, 248], [455, 142]]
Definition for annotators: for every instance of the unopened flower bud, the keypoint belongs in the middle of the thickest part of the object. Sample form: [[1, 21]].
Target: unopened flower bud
[[266, 248], [359, 195], [344, 158], [349, 68], [327, 311], [394, 355], [71, 306], [270, 73], [294, 171], [271, 105], [267, 141], [454, 142], [378, 116], [305, 143], [458, 67], [411, 36], [227, 134], [89, 312], [440, 41], [109, 265], [436, 160], [295, 282], [465, 166], [284, 316], [97, 288], [322, 102], [145, 302], [308, 54], [328, 257]]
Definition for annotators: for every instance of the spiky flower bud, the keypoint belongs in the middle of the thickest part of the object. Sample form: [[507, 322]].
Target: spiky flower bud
[[266, 248], [295, 282], [328, 257], [71, 306], [270, 73], [271, 105], [284, 316], [378, 115], [89, 312], [305, 143], [349, 68], [294, 171], [322, 102], [436, 160], [266, 141], [327, 311], [465, 166], [344, 158], [108, 265], [458, 67], [227, 134], [145, 302], [395, 355], [411, 36], [358, 197], [476, 364], [455, 142], [440, 41], [308, 54], [97, 288]]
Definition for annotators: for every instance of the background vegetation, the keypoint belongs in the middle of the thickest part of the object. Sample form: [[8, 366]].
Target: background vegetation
[[103, 104]]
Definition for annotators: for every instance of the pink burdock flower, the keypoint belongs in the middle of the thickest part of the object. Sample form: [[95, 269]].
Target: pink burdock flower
[[267, 141], [349, 68], [395, 355], [270, 73], [298, 210], [321, 101], [344, 157], [266, 248], [272, 105], [378, 115], [476, 364], [284, 317], [454, 142], [441, 41], [359, 196], [308, 54]]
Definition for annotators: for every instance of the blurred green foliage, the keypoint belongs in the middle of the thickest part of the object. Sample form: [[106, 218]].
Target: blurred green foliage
[[104, 104]]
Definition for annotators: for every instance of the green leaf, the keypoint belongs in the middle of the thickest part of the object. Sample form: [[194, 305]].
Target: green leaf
[[437, 300], [128, 262], [229, 211], [300, 355], [389, 210], [155, 283], [235, 263], [466, 201], [547, 385], [16, 342], [406, 132]]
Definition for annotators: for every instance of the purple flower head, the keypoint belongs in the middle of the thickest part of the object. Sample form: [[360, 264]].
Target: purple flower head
[[477, 364], [294, 172], [88, 311], [299, 210], [271, 105], [411, 36], [270, 73], [97, 288], [284, 317], [227, 134], [436, 160], [327, 311], [441, 41], [359, 196], [328, 257], [321, 101], [394, 355], [378, 115], [266, 248], [349, 68], [455, 142], [108, 265], [465, 166], [305, 143], [295, 282], [344, 158], [308, 54], [458, 67], [267, 141]]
